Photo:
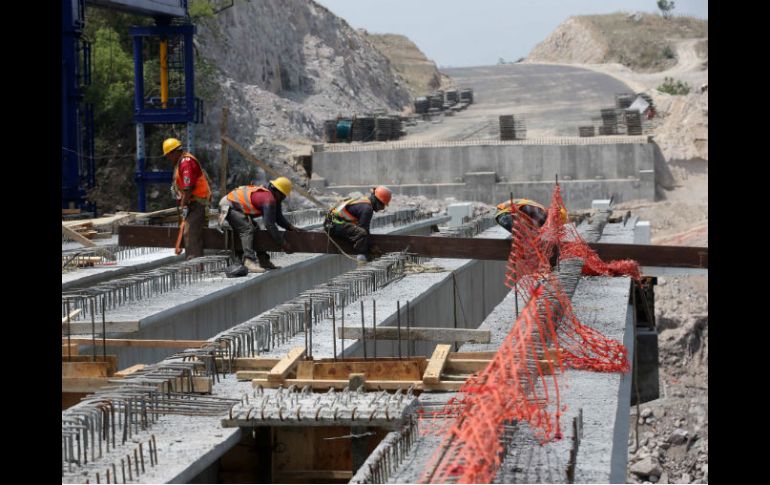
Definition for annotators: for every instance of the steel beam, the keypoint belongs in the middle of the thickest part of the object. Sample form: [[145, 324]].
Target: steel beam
[[431, 247]]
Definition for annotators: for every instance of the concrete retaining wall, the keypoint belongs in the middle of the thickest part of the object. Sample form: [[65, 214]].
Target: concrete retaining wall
[[488, 173]]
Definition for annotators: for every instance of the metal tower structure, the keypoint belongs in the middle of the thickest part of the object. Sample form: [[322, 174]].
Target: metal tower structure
[[77, 135]]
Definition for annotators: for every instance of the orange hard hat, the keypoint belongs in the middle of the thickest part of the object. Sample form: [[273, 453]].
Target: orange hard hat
[[383, 194]]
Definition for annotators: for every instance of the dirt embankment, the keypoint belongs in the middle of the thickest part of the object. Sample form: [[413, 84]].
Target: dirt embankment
[[420, 73]]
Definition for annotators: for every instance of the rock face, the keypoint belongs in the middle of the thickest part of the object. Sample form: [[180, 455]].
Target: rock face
[[282, 68], [573, 41], [420, 73]]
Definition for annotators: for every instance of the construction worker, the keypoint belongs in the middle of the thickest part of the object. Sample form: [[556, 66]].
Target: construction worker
[[240, 206], [190, 185], [351, 219], [534, 211]]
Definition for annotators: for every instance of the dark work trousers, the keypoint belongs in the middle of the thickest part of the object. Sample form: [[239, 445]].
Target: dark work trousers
[[193, 230], [353, 233], [242, 225]]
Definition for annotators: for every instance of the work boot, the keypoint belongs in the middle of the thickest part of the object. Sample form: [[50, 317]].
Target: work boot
[[252, 266], [361, 260], [267, 264]]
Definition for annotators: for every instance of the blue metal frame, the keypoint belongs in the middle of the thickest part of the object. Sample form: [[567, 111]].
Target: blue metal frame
[[187, 110], [77, 165]]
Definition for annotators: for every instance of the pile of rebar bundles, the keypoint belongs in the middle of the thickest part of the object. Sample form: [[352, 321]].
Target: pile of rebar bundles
[[364, 128], [512, 127]]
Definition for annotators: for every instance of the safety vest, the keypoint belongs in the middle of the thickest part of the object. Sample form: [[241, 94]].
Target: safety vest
[[201, 190], [241, 199], [505, 207], [341, 214]]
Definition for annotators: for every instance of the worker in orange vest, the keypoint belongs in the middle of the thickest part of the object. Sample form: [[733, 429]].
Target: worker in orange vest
[[351, 220], [247, 202], [191, 187]]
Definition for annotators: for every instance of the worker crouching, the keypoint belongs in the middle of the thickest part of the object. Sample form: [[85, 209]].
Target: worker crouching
[[352, 218], [247, 202], [530, 209]]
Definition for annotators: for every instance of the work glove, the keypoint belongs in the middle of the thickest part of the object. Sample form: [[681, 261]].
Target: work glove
[[287, 248], [375, 252], [185, 211]]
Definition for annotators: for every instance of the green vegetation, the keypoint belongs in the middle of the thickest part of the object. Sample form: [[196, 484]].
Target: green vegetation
[[112, 95], [643, 42], [675, 87], [666, 7]]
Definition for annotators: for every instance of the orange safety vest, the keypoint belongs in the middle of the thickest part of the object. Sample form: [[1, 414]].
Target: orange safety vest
[[201, 190], [241, 198], [342, 215], [505, 207]]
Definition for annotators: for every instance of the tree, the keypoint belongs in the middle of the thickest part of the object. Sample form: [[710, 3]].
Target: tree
[[666, 7]]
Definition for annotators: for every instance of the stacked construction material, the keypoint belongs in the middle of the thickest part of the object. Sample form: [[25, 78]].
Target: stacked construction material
[[624, 100], [466, 95], [421, 105], [451, 97], [363, 128], [437, 100], [512, 127], [633, 122], [383, 128], [585, 131], [330, 131], [609, 122]]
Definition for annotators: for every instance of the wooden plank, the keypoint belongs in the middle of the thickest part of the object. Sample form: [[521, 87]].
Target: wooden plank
[[373, 385], [71, 315], [66, 350], [70, 211], [374, 369], [254, 363], [286, 364], [464, 248], [468, 366], [267, 168], [111, 360], [481, 354], [84, 384], [436, 364], [80, 328], [247, 375], [305, 369], [311, 476], [439, 334], [77, 237], [122, 342], [130, 370], [84, 369]]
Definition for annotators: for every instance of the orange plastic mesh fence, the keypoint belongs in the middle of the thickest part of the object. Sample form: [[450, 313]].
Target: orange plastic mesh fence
[[520, 383]]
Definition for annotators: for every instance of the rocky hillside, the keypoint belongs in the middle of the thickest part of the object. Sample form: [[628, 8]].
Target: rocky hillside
[[419, 72], [281, 68], [642, 42]]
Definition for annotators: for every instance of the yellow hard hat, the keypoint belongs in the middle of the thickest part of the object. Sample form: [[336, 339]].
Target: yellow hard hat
[[170, 144], [564, 217], [283, 185]]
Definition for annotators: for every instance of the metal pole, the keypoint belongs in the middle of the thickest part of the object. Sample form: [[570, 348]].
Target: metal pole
[[398, 332], [104, 330], [334, 333], [363, 329], [310, 324], [374, 325], [408, 332], [342, 337], [93, 329], [304, 324]]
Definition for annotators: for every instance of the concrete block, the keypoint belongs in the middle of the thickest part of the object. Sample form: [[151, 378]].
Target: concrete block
[[458, 211], [317, 183], [647, 175], [642, 232], [480, 178], [600, 204]]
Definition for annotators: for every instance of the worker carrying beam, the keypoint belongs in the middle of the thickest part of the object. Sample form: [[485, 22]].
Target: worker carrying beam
[[190, 186], [247, 202], [351, 219]]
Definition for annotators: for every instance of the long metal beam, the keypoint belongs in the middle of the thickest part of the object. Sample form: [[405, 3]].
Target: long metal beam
[[432, 247]]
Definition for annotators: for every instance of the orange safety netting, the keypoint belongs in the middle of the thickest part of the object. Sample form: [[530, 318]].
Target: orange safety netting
[[520, 383]]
